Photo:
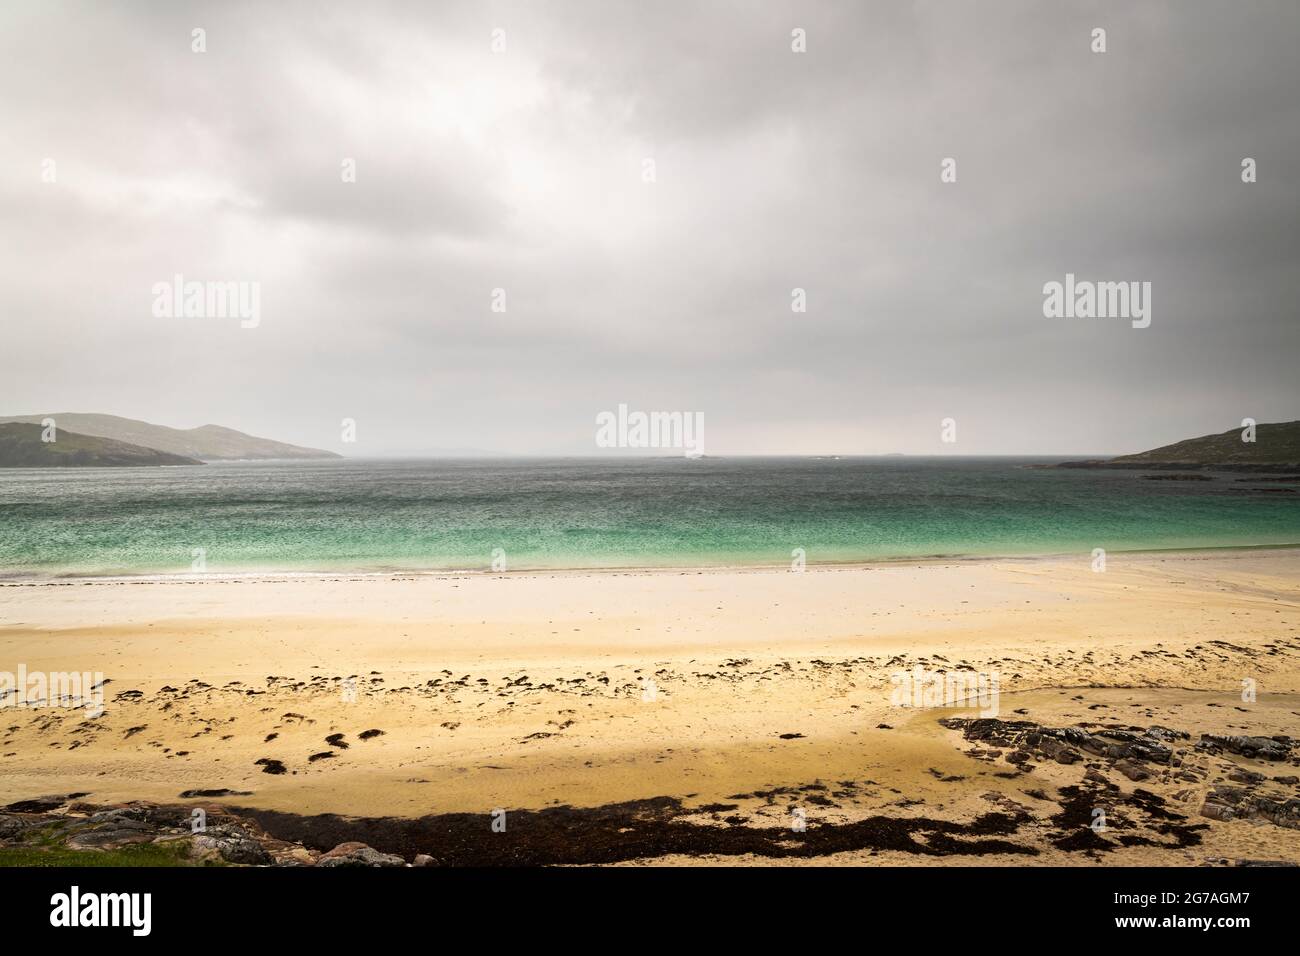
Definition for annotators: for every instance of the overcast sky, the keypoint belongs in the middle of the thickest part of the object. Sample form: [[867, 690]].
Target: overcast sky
[[523, 170]]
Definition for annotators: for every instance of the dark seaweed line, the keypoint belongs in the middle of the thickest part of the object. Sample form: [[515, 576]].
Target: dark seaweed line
[[642, 829]]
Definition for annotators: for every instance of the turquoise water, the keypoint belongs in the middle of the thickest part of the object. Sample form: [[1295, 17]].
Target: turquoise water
[[383, 515]]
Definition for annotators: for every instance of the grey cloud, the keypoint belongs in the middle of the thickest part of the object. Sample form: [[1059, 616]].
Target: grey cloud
[[775, 170]]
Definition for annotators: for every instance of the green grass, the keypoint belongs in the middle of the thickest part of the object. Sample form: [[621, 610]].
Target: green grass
[[171, 853]]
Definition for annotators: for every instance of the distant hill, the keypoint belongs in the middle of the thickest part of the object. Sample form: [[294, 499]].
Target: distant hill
[[1276, 448], [21, 447], [206, 443]]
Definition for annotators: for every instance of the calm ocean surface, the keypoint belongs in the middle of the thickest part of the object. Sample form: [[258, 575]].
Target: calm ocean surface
[[451, 514]]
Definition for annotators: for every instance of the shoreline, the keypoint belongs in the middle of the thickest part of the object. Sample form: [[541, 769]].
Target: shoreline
[[56, 579]]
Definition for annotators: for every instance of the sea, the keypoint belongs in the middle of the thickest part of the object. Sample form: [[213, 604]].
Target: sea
[[385, 516]]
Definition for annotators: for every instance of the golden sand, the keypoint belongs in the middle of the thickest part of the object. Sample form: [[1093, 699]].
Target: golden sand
[[534, 690]]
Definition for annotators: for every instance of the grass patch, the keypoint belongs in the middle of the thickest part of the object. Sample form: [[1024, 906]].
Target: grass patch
[[170, 853]]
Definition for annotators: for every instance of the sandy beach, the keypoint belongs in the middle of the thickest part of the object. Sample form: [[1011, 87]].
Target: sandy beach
[[661, 704]]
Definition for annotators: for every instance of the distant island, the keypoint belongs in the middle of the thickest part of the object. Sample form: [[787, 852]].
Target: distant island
[[89, 440], [21, 447], [1276, 448]]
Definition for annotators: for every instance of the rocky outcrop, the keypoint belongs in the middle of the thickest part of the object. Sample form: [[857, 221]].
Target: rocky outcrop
[[1242, 803], [1068, 744], [214, 837], [1143, 754], [358, 854], [1258, 748]]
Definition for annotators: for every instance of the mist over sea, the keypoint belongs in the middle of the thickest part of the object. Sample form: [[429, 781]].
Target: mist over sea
[[380, 515]]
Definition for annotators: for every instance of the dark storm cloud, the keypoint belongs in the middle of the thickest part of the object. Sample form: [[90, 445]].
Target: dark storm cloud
[[522, 170]]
